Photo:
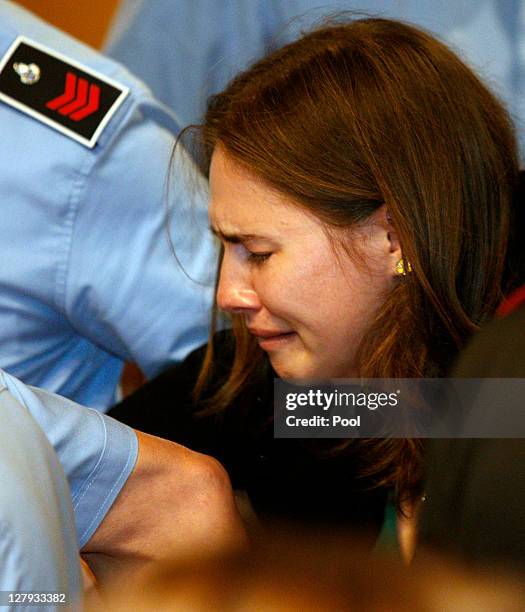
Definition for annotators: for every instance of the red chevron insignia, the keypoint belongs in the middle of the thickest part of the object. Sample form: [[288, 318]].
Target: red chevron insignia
[[92, 105], [67, 96], [79, 100]]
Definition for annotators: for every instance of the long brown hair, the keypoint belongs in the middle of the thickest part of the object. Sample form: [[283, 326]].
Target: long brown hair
[[354, 115]]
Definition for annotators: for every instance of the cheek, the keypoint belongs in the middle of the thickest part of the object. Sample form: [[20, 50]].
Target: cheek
[[273, 290], [304, 294]]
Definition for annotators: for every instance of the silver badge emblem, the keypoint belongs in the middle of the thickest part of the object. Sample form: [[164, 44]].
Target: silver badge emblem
[[29, 73]]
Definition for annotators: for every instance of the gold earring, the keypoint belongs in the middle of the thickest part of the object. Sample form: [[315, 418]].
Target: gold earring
[[402, 269]]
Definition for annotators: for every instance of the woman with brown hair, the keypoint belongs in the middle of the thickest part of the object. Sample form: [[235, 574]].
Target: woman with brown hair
[[361, 181]]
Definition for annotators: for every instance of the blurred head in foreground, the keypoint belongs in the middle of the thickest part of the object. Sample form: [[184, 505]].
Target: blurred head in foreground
[[313, 573]]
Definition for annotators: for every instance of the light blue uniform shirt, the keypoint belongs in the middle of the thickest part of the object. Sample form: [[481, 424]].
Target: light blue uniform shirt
[[186, 50], [88, 279], [44, 518]]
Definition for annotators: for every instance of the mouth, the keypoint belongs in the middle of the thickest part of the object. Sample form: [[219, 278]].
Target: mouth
[[272, 339]]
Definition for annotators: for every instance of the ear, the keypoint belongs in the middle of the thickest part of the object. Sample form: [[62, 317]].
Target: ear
[[392, 245]]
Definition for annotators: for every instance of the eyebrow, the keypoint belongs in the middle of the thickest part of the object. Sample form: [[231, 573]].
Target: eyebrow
[[233, 238]]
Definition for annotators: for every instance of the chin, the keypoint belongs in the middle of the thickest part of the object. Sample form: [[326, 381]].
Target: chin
[[296, 374], [305, 373], [286, 372]]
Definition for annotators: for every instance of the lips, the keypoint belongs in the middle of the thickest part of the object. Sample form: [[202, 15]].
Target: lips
[[272, 339], [268, 333]]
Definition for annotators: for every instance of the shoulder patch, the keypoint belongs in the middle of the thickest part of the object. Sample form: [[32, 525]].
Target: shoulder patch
[[64, 94]]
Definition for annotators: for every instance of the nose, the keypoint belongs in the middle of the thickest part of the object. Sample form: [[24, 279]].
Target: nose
[[235, 293]]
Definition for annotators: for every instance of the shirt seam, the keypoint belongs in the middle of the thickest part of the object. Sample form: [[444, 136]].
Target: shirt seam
[[91, 479], [77, 497]]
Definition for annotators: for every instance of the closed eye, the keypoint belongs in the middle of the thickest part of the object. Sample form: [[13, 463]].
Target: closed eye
[[258, 259]]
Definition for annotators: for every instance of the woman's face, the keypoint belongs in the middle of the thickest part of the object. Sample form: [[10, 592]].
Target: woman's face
[[306, 300]]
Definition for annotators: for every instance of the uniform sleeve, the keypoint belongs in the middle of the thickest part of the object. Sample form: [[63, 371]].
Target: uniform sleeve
[[97, 454], [139, 278]]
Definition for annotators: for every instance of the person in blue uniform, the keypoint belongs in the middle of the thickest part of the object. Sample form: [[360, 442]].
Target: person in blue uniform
[[89, 278], [75, 480], [186, 51], [38, 544]]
